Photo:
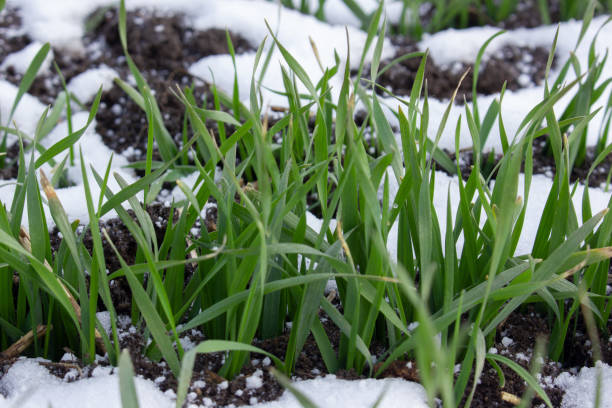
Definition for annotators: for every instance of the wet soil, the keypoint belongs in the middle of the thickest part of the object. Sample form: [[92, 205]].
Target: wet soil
[[518, 66], [12, 37], [127, 247], [516, 338], [10, 163], [543, 163]]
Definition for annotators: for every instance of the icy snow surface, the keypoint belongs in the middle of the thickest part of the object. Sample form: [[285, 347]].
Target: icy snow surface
[[85, 85], [30, 385], [580, 389], [20, 60], [331, 392], [61, 22]]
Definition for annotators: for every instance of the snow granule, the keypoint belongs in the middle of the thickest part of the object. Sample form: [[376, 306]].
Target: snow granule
[[71, 375], [68, 357], [104, 318], [255, 380]]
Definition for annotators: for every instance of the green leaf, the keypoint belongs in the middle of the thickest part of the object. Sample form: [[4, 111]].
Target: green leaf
[[28, 79], [524, 374], [72, 138], [154, 322], [477, 71], [127, 388], [385, 135]]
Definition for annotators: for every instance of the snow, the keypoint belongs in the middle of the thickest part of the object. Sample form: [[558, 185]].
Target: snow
[[105, 321], [21, 60], [28, 384], [255, 380], [332, 392], [580, 389], [248, 20], [26, 115], [85, 85], [96, 155]]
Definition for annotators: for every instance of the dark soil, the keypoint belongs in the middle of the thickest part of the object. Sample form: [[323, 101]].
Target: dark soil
[[523, 329], [518, 66], [127, 248], [10, 167], [543, 163], [527, 15], [12, 38]]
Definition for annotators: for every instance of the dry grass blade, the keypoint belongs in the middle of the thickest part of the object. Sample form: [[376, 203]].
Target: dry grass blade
[[510, 398], [18, 347]]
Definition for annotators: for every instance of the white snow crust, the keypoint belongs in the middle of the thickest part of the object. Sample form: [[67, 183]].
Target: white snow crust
[[332, 392], [30, 385]]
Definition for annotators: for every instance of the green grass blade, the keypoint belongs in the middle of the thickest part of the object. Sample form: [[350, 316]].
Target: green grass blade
[[27, 80], [524, 374], [211, 346], [127, 388], [154, 322]]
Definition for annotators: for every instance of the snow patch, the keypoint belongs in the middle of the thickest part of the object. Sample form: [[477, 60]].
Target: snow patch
[[29, 385], [332, 392]]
